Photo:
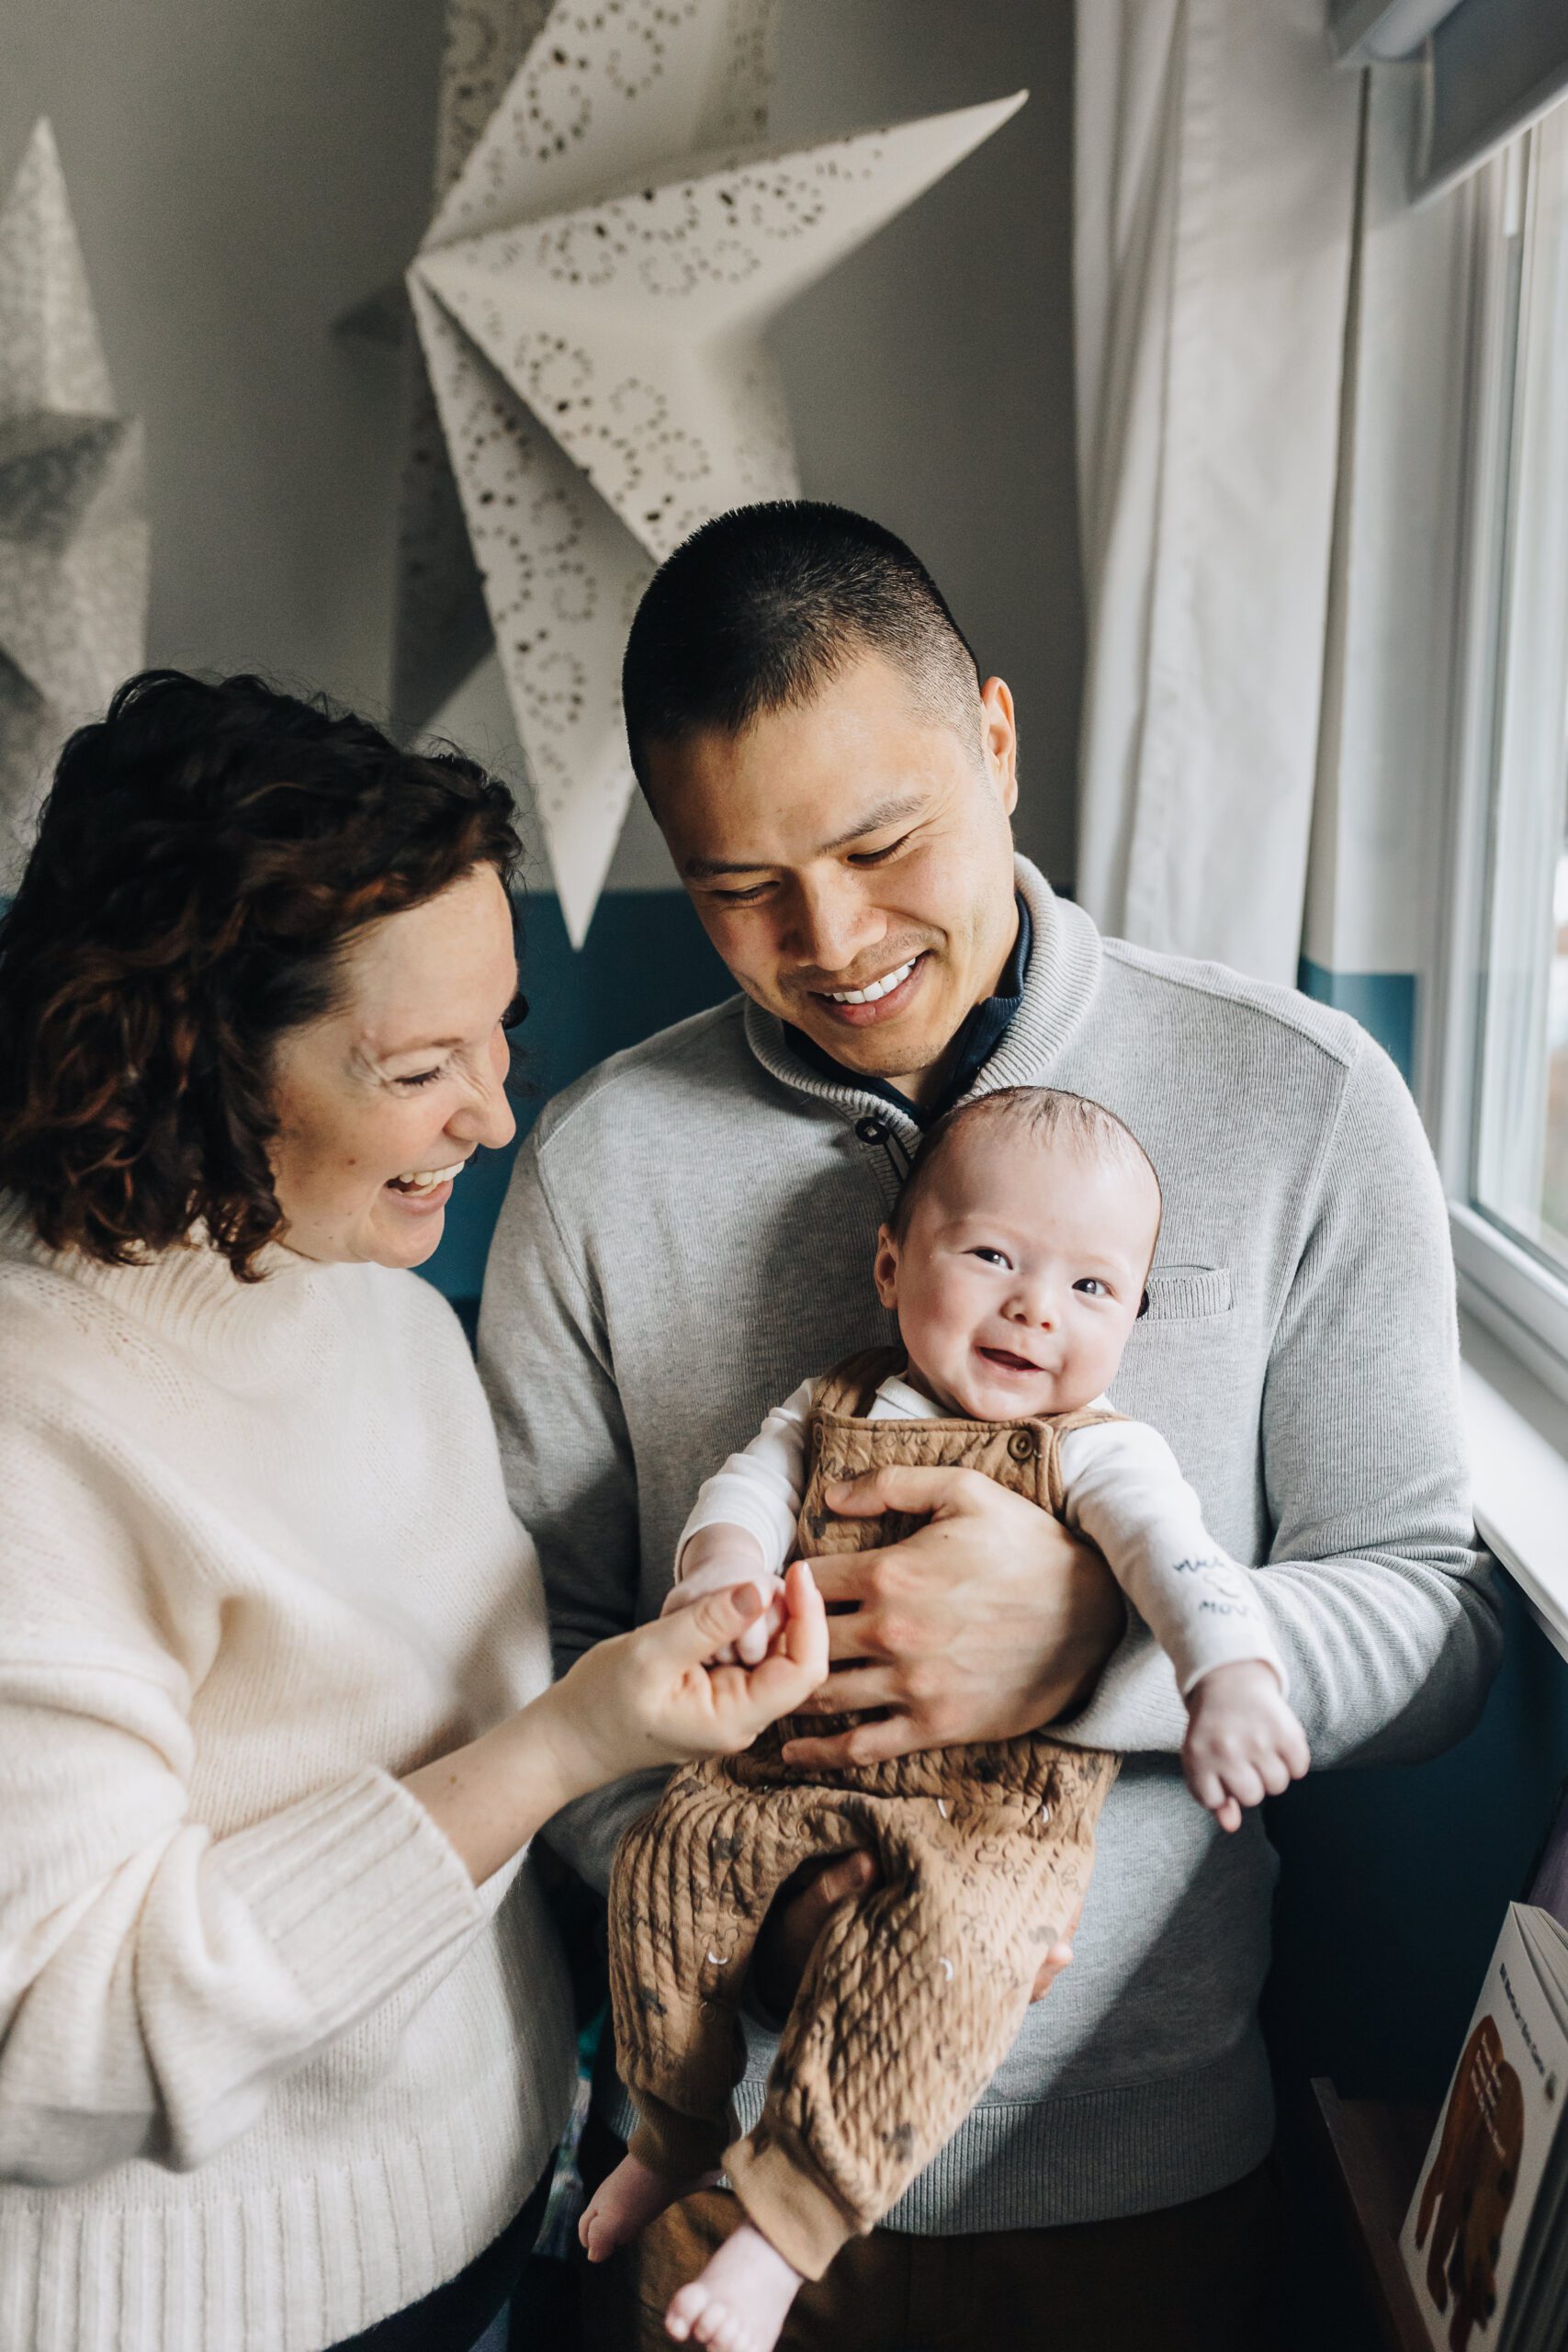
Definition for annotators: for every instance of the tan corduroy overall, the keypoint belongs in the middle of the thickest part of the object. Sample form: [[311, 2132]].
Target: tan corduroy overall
[[916, 1990]]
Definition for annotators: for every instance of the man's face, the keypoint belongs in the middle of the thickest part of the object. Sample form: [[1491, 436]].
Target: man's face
[[854, 848]]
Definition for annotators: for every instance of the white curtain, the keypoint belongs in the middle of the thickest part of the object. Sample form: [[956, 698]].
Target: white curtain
[[1216, 171]]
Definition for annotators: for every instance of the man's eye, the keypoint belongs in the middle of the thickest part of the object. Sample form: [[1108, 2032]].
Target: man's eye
[[992, 1258], [876, 856], [1092, 1287], [741, 898]]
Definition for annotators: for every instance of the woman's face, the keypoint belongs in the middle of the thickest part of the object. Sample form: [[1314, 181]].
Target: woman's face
[[401, 1082]]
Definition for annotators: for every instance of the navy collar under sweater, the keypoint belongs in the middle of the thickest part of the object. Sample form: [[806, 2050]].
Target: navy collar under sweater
[[1061, 975], [975, 1039]]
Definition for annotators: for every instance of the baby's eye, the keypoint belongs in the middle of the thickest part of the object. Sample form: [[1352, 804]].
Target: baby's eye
[[992, 1258], [1092, 1287]]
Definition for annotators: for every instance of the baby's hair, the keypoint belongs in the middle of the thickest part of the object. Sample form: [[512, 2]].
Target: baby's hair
[[1046, 1115]]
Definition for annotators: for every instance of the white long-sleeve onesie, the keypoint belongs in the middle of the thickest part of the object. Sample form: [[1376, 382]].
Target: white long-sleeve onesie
[[1123, 1488]]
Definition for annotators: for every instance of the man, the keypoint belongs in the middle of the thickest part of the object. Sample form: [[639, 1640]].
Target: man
[[689, 1233]]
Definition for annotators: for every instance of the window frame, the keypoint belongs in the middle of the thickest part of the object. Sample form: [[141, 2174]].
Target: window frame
[[1516, 1295]]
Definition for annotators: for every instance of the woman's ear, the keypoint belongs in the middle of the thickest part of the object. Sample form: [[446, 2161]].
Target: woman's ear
[[884, 1269]]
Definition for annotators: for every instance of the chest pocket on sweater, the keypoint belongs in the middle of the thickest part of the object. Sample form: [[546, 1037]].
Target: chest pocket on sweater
[[1188, 1293]]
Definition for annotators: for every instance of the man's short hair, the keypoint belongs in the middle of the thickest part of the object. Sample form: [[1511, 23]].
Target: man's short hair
[[1046, 1115], [760, 609]]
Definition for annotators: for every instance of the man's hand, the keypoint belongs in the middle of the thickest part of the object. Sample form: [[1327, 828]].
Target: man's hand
[[990, 1620], [803, 1907], [796, 1916]]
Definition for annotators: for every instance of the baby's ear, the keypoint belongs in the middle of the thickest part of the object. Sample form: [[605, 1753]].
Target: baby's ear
[[885, 1268]]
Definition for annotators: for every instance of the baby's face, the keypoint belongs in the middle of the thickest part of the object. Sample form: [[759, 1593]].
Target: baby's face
[[1020, 1274]]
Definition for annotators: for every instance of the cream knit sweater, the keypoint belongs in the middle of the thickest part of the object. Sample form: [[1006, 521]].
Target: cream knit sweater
[[270, 2067]]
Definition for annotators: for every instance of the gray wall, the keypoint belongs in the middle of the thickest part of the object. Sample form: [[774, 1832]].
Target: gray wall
[[242, 174]]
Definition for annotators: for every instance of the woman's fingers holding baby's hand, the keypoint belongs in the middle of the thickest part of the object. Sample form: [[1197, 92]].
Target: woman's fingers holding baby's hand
[[744, 1698], [797, 1658], [669, 1691], [761, 1633]]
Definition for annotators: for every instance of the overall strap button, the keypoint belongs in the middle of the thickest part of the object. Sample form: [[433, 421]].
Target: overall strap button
[[1020, 1445]]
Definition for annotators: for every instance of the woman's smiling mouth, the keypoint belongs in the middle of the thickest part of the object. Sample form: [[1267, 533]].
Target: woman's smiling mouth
[[424, 1190]]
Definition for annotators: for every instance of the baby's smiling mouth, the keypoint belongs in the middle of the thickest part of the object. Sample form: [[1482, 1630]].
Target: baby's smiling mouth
[[1008, 1362]]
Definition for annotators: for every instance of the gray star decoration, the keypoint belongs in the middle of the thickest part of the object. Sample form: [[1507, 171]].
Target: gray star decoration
[[589, 300], [73, 539]]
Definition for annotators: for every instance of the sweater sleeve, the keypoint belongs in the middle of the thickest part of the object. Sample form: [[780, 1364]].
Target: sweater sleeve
[[545, 1360], [156, 1981], [761, 1488], [1124, 1490], [1384, 1610]]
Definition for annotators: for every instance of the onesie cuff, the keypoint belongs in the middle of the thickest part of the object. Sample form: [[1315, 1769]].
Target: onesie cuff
[[1243, 1640], [784, 2196]]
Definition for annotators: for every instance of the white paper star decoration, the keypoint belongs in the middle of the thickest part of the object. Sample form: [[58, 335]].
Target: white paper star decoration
[[589, 300], [73, 540]]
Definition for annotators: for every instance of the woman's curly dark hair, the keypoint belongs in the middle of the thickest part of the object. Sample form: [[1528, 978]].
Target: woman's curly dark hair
[[205, 855]]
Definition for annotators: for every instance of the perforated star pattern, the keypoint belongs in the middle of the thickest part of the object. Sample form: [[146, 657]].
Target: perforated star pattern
[[589, 300], [73, 542]]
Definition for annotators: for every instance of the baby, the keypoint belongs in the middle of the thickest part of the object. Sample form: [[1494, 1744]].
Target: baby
[[1016, 1261]]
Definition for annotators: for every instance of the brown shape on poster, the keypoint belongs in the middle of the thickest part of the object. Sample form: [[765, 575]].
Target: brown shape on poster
[[1472, 2183]]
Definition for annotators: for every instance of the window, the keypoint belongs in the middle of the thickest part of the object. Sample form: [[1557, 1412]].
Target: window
[[1506, 1122], [1520, 1173]]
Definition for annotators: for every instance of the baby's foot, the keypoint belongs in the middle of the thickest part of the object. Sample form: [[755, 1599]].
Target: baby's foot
[[740, 2302], [626, 2202]]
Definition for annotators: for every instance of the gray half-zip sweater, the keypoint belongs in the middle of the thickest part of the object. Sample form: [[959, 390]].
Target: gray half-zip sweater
[[689, 1234]]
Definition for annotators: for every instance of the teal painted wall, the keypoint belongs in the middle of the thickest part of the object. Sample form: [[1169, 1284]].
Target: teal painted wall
[[1395, 1880], [1383, 1002]]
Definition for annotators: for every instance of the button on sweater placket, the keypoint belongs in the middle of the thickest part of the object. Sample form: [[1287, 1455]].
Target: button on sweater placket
[[879, 1135]]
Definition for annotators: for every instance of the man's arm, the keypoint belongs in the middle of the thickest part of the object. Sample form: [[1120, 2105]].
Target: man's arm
[[544, 1358], [1382, 1606]]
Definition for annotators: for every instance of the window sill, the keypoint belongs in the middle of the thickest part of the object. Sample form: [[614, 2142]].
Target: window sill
[[1518, 1446]]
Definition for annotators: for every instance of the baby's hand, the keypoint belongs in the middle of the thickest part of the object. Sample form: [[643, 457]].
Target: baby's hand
[[716, 1571], [1243, 1742]]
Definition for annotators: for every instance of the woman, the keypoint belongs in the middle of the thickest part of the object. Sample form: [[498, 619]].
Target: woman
[[284, 2041]]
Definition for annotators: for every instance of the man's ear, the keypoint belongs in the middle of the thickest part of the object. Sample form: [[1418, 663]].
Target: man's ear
[[885, 1268], [998, 738]]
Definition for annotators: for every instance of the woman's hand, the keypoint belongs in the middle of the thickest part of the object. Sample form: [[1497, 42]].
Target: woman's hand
[[658, 1696], [649, 1697], [990, 1620], [719, 1556]]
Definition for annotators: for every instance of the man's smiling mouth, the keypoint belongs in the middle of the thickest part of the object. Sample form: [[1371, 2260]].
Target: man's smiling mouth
[[873, 988], [873, 1001]]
